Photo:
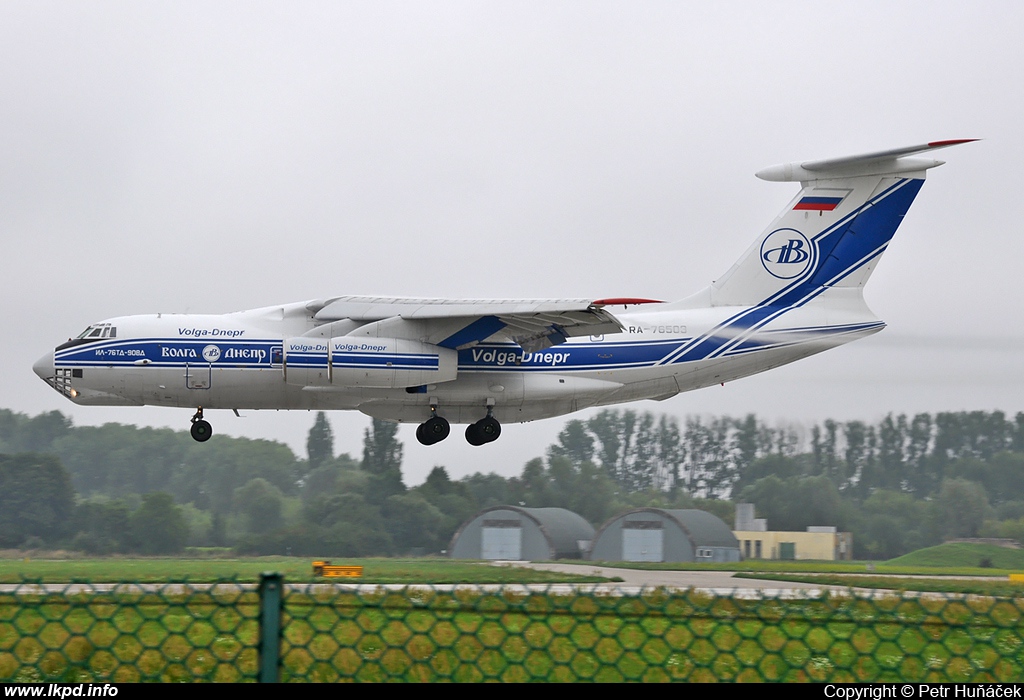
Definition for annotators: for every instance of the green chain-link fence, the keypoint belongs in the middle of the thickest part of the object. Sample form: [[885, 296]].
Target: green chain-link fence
[[328, 632]]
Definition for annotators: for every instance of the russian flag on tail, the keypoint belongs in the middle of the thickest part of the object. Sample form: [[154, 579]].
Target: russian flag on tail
[[816, 203]]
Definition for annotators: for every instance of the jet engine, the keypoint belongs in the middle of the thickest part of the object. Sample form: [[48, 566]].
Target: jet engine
[[378, 363]]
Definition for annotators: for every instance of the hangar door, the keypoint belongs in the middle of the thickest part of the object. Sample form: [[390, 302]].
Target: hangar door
[[502, 539], [643, 540]]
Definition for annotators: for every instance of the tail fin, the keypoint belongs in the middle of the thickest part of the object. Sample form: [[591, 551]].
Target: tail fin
[[835, 230]]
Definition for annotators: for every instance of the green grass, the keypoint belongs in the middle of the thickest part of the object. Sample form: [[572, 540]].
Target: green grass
[[963, 554], [954, 559], [934, 570], [295, 569]]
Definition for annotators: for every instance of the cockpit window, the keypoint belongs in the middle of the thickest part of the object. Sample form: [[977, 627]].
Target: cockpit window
[[99, 330]]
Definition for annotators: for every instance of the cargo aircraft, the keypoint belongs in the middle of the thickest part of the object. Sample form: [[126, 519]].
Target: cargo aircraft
[[483, 362]]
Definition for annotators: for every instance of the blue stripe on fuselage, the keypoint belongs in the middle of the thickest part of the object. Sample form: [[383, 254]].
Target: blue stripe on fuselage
[[570, 356], [765, 340], [169, 352]]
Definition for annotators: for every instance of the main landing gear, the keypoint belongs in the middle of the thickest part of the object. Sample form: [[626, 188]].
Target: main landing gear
[[436, 428], [201, 430], [485, 430]]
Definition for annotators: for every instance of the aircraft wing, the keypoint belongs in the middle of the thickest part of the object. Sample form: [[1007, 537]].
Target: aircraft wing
[[534, 324]]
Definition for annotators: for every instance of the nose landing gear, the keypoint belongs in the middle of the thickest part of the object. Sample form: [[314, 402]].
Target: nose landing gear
[[434, 429], [201, 430]]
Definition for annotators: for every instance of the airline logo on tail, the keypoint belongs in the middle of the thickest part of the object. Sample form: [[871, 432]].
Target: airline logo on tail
[[786, 253]]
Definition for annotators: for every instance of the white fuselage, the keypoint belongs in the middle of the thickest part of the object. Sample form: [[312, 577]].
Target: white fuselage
[[797, 290], [242, 361]]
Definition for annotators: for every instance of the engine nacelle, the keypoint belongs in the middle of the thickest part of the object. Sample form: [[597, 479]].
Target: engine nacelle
[[378, 363], [390, 363], [306, 361]]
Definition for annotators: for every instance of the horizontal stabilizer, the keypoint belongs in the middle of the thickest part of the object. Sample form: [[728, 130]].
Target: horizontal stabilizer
[[889, 162]]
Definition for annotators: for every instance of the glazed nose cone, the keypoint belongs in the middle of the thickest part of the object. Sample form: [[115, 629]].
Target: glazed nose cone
[[43, 367]]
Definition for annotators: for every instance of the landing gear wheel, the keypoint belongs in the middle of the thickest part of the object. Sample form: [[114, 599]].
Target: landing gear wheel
[[201, 430], [473, 436], [483, 431], [433, 431], [489, 428]]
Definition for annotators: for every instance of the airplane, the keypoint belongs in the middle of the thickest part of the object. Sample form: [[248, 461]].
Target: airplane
[[482, 362]]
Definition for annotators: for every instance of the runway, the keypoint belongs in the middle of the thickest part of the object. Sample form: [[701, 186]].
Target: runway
[[718, 582]]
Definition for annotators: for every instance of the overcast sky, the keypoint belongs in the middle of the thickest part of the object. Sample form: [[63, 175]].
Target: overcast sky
[[218, 156]]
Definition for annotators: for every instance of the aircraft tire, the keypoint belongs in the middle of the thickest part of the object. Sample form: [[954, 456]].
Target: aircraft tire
[[201, 431], [489, 429], [473, 436], [433, 431]]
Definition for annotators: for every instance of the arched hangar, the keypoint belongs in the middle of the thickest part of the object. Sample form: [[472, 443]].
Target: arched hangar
[[656, 534], [522, 534]]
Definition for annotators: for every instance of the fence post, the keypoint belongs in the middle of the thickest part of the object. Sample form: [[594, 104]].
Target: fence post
[[270, 626]]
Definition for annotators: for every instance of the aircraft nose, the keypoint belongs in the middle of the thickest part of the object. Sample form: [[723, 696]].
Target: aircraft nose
[[43, 367]]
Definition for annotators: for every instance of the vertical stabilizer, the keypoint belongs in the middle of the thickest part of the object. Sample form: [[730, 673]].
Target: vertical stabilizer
[[833, 232]]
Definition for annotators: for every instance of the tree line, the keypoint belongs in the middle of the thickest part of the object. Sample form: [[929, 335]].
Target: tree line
[[902, 483], [898, 484]]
